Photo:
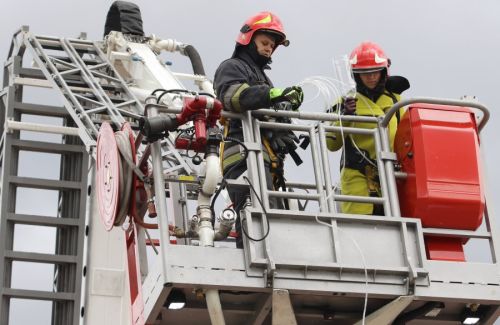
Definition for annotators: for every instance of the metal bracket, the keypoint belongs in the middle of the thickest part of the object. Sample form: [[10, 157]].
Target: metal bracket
[[388, 155], [411, 280], [269, 275], [253, 146]]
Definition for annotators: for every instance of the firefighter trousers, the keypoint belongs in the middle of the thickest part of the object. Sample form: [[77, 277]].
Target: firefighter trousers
[[240, 196], [356, 183]]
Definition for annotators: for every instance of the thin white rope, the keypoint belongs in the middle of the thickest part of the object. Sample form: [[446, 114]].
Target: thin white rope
[[363, 260]]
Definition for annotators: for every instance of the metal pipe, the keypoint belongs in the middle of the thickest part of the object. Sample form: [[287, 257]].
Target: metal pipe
[[359, 199], [439, 101], [317, 169], [313, 116], [322, 117], [212, 174], [169, 45], [261, 168], [214, 307], [206, 231], [382, 174], [160, 197], [389, 170], [35, 127], [253, 173], [326, 167], [294, 195]]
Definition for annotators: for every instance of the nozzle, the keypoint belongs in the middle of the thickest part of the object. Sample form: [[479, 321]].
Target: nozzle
[[157, 127]]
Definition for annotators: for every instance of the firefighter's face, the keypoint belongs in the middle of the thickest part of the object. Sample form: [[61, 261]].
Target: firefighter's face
[[370, 79], [265, 44]]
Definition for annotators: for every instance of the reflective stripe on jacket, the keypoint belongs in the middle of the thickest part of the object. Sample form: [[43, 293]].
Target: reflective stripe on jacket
[[241, 85]]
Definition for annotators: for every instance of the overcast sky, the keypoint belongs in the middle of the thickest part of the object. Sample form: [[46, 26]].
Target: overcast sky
[[446, 48]]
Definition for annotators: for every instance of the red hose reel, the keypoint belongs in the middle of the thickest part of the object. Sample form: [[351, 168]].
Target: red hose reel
[[119, 191]]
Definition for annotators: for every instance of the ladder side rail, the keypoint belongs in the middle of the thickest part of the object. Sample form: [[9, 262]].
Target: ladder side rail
[[16, 46], [6, 206], [76, 167]]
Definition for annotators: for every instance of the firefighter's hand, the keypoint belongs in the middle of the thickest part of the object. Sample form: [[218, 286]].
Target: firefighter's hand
[[348, 106], [283, 141], [293, 94]]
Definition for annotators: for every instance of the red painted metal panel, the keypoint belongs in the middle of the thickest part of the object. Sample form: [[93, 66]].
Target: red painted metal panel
[[438, 147]]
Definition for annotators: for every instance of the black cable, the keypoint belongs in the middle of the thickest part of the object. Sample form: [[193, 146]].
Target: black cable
[[157, 90], [265, 213], [190, 132], [206, 94], [223, 183], [171, 91]]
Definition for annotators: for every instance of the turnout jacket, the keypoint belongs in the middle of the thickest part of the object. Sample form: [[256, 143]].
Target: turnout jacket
[[241, 85]]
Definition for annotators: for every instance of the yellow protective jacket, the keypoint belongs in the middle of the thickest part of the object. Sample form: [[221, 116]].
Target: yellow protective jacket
[[366, 107], [354, 181]]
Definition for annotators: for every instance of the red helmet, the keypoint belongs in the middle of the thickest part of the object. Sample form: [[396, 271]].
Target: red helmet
[[368, 57], [266, 22]]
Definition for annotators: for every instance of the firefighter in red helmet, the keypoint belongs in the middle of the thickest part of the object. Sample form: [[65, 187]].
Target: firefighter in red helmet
[[376, 92], [241, 84]]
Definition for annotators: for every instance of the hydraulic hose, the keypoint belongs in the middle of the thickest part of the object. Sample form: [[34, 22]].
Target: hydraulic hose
[[195, 59]]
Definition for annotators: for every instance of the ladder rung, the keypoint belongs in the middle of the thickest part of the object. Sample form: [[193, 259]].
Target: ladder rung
[[53, 44], [42, 110], [90, 62], [47, 147], [47, 184], [38, 295], [34, 220], [72, 80], [40, 258], [50, 44]]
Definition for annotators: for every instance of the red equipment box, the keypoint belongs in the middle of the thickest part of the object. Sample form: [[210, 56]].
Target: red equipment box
[[438, 147]]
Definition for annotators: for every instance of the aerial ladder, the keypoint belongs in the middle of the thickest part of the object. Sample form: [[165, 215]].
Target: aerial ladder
[[135, 237]]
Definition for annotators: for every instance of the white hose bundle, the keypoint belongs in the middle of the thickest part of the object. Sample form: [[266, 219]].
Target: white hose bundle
[[327, 88]]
